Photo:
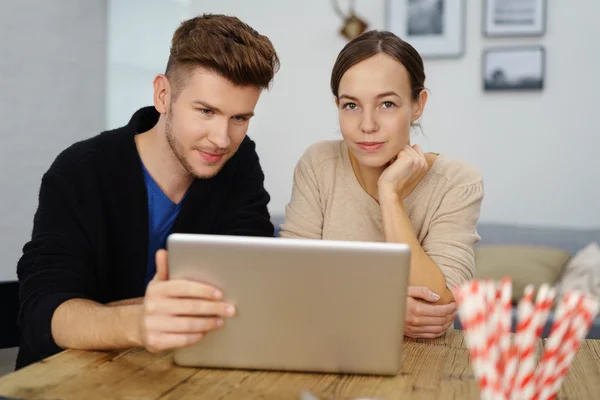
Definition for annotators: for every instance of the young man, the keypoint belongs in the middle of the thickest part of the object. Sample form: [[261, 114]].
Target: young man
[[93, 275]]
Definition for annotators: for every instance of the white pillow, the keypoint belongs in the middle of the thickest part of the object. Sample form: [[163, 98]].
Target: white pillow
[[582, 272]]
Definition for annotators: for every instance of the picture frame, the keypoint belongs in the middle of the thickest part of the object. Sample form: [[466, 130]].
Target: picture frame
[[516, 68], [435, 28], [509, 18]]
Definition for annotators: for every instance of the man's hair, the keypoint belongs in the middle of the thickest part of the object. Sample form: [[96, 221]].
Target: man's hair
[[224, 45]]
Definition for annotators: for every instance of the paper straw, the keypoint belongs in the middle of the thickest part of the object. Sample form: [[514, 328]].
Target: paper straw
[[505, 321], [471, 310], [564, 315], [524, 343], [578, 329], [494, 390], [508, 370], [545, 297]]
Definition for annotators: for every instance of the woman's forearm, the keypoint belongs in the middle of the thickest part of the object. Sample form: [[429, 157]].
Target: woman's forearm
[[398, 228]]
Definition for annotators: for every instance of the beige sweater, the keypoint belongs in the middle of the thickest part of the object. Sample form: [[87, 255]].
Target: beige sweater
[[329, 203]]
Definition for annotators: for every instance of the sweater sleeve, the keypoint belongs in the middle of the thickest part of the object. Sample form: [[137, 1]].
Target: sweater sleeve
[[452, 233], [56, 265], [245, 210], [303, 214]]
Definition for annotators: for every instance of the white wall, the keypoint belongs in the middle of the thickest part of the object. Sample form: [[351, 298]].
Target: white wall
[[139, 38], [52, 80], [534, 149]]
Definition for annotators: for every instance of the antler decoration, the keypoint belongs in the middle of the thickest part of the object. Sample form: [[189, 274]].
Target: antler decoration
[[353, 25]]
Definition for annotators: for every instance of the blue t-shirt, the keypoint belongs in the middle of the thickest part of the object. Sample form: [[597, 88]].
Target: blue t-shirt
[[162, 213]]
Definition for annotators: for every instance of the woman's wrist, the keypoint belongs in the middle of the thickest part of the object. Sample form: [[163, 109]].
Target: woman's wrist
[[387, 194]]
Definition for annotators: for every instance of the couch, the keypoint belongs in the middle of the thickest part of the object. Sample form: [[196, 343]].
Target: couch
[[570, 240]]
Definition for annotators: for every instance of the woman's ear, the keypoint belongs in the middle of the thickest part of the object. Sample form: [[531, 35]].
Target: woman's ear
[[336, 101], [419, 105]]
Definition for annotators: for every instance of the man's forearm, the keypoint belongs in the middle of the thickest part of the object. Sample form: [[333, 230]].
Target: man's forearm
[[87, 325], [398, 229], [126, 302]]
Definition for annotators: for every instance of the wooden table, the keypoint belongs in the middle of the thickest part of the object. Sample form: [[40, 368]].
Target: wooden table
[[432, 369]]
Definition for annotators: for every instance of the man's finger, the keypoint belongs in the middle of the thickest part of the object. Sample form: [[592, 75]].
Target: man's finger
[[188, 307], [185, 289], [422, 292], [162, 265], [168, 324], [157, 343]]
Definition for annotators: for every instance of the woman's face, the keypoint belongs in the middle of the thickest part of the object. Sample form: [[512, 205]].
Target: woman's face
[[376, 109]]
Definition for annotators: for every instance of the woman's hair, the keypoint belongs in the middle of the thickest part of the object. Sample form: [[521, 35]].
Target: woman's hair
[[225, 45], [372, 43]]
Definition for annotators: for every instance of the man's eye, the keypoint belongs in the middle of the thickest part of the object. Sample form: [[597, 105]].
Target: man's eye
[[206, 111]]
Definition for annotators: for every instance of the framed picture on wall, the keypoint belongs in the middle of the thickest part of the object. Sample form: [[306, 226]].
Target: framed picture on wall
[[502, 18], [435, 28], [514, 69]]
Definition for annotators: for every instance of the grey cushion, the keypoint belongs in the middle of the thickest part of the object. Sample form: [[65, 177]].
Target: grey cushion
[[571, 240]]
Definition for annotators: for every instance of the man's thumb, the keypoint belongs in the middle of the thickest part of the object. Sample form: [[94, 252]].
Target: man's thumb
[[162, 266]]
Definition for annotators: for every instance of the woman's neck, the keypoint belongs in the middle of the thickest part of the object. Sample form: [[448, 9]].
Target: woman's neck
[[367, 177]]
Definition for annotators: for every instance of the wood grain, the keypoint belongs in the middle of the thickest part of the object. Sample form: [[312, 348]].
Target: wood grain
[[432, 369]]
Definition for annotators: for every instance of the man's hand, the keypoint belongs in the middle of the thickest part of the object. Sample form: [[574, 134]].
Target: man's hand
[[179, 313], [425, 320]]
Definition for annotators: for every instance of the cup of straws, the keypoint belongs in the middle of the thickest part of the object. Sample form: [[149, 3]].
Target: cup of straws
[[506, 364]]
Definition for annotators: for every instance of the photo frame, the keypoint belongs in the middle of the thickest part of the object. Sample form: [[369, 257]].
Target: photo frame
[[506, 18], [435, 28], [519, 68]]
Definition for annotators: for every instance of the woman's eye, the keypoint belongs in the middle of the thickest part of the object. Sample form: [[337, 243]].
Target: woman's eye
[[388, 104], [350, 106]]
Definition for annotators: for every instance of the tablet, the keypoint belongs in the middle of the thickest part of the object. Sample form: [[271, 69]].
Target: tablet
[[302, 305]]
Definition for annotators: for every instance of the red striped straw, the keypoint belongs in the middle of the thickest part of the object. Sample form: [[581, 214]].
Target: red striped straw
[[564, 315], [580, 325], [505, 320], [472, 313], [524, 312], [524, 343], [543, 304], [494, 390], [508, 370], [506, 348]]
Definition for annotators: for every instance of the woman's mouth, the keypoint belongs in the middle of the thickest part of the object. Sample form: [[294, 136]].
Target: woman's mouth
[[370, 146]]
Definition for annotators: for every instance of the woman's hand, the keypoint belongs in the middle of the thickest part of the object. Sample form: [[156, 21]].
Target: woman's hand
[[425, 320], [404, 173]]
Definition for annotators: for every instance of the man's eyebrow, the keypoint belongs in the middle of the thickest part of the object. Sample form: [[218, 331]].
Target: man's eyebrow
[[218, 111], [206, 105]]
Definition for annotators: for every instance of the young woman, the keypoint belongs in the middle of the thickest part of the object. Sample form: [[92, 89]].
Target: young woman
[[374, 186]]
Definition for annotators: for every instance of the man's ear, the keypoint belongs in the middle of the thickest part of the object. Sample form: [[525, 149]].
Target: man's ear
[[162, 93], [419, 105]]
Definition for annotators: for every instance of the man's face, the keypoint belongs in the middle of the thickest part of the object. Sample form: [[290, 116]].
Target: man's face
[[208, 121]]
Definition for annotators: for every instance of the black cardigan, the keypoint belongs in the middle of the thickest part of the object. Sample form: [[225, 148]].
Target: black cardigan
[[90, 232]]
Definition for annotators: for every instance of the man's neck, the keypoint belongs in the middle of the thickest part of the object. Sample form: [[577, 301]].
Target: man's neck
[[161, 162]]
